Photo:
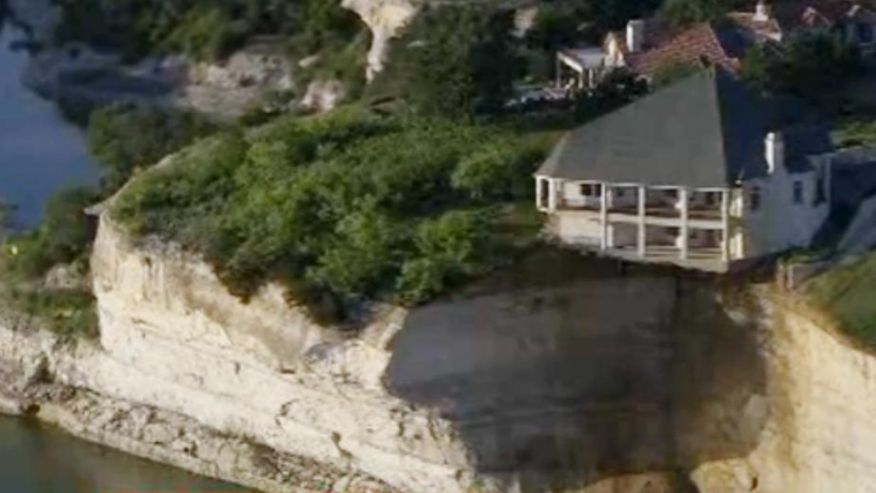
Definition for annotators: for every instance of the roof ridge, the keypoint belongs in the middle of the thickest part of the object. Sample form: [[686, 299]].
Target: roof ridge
[[719, 104]]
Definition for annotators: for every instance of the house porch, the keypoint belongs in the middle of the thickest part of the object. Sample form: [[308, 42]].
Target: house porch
[[690, 227]]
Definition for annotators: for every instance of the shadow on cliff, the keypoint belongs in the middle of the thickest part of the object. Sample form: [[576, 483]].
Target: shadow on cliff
[[566, 370]]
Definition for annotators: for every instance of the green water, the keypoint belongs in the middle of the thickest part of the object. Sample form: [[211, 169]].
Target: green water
[[38, 459]]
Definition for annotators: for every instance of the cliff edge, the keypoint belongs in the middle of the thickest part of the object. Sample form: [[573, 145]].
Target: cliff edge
[[541, 377]]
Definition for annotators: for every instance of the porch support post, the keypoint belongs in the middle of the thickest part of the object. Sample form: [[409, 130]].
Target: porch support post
[[603, 216], [682, 196], [725, 225], [642, 249], [552, 194]]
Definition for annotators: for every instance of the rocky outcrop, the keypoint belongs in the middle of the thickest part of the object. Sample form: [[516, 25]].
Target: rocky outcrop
[[239, 84], [322, 96], [540, 377], [48, 392], [385, 19], [81, 76]]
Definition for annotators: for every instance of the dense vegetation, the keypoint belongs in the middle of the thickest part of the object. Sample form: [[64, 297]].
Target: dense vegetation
[[684, 12], [453, 62], [63, 238], [125, 137], [809, 65], [855, 131], [343, 206], [203, 29]]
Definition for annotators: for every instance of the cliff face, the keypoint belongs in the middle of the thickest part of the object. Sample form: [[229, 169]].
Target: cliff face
[[821, 408], [557, 374], [385, 19], [259, 369]]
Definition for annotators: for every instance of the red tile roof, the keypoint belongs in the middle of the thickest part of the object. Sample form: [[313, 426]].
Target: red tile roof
[[702, 43]]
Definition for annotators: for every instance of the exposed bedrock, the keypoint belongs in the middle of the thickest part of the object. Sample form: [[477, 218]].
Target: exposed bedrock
[[564, 372], [560, 374]]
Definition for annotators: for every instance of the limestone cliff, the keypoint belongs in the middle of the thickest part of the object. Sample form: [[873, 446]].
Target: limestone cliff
[[560, 373], [385, 19]]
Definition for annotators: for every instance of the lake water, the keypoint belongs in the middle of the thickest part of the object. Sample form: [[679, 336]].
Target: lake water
[[38, 459], [39, 154]]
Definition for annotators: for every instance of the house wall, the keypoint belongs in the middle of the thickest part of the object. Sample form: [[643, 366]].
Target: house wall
[[779, 223], [570, 192], [577, 228]]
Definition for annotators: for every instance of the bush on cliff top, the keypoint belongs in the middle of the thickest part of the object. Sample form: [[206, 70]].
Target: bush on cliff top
[[341, 207], [124, 137]]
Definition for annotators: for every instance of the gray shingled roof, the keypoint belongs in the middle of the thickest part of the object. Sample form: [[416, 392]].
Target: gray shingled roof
[[704, 131]]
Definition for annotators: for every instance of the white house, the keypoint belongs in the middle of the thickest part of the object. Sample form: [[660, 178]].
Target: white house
[[853, 20], [690, 175]]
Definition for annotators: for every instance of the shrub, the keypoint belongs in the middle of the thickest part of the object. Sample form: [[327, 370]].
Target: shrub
[[449, 249], [204, 33], [338, 207], [65, 235], [68, 313], [497, 171], [685, 12], [809, 65], [453, 62], [125, 137], [362, 254]]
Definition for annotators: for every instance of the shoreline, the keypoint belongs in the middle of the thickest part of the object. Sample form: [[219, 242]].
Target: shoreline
[[146, 431]]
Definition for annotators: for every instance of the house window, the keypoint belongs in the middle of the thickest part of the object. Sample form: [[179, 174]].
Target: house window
[[754, 198], [591, 189], [619, 193], [798, 192]]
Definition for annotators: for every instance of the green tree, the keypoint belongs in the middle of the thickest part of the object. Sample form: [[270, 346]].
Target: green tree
[[758, 66], [814, 63], [65, 234], [451, 248], [361, 257], [686, 12], [124, 137], [497, 171], [616, 90], [454, 61]]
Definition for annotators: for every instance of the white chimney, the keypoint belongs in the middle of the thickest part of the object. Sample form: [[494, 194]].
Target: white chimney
[[775, 151], [762, 11], [635, 35]]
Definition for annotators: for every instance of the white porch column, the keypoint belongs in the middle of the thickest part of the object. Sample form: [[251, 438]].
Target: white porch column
[[683, 198], [552, 194], [603, 216], [725, 225], [642, 249]]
